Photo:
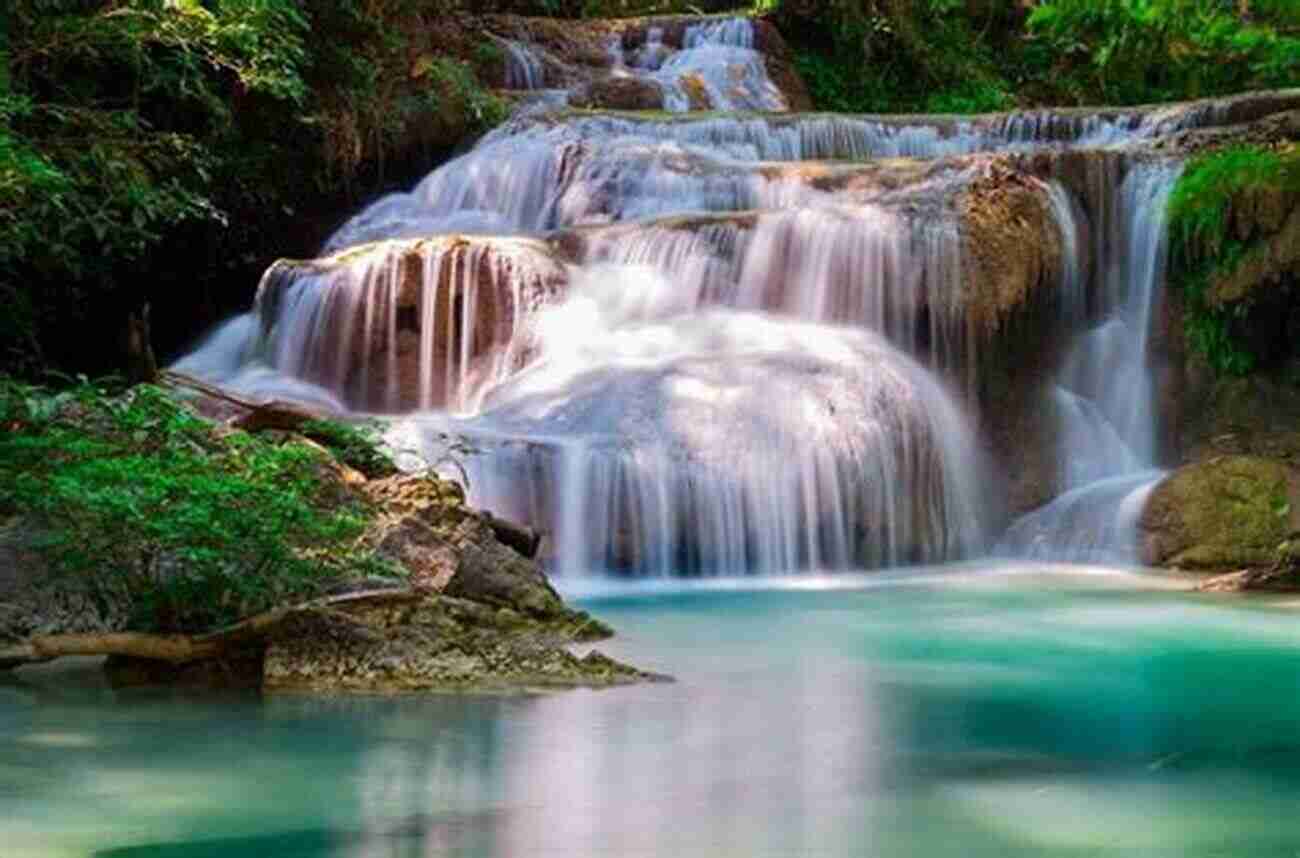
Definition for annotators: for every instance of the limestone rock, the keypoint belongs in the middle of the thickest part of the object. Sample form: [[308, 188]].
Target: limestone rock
[[1221, 514], [435, 643], [619, 93], [425, 526]]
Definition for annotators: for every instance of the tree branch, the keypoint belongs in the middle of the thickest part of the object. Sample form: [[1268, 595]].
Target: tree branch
[[179, 649]]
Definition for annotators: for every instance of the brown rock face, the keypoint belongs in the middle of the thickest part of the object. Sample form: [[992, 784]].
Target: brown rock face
[[403, 325], [1221, 514], [425, 527], [619, 93]]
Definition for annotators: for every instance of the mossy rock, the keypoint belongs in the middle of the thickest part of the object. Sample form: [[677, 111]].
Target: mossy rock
[[1221, 514]]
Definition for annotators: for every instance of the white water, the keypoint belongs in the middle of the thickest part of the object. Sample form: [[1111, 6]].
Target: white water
[[691, 347], [524, 68], [721, 442], [1104, 396]]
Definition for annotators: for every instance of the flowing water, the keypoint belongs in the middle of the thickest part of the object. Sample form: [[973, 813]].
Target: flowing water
[[955, 711], [740, 346], [741, 343]]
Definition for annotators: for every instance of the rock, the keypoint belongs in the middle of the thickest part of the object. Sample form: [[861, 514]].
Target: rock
[[436, 643], [425, 526], [619, 93], [1221, 514], [468, 611], [423, 286], [1275, 579]]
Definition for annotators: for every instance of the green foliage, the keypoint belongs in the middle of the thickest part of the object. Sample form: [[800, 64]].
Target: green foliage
[[1131, 51], [969, 97], [894, 56], [138, 496], [356, 446], [1205, 244], [128, 127], [1200, 205]]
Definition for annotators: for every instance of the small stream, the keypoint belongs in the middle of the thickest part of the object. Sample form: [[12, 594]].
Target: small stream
[[964, 710]]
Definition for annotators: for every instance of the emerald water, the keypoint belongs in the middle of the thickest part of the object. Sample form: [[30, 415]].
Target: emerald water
[[963, 710]]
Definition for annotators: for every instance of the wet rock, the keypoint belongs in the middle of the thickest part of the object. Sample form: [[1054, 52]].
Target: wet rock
[[619, 93], [577, 53], [1221, 514], [436, 643], [388, 303], [425, 526]]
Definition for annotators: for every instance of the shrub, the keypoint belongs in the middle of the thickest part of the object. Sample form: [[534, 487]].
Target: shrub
[[1205, 244], [1131, 51], [137, 495]]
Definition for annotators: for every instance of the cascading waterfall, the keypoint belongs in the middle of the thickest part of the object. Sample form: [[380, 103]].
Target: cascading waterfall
[[723, 442], [393, 326], [1105, 396], [524, 68], [730, 344]]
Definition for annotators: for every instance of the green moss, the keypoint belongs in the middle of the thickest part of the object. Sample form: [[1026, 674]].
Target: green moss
[[356, 446], [1223, 514]]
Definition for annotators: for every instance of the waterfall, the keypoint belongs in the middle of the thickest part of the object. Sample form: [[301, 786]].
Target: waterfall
[[723, 442], [393, 326], [744, 343], [524, 68], [1104, 395]]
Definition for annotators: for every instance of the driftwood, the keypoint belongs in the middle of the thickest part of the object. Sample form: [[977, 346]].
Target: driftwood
[[255, 416], [179, 649]]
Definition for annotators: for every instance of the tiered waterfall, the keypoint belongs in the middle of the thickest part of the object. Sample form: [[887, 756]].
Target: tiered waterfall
[[747, 342]]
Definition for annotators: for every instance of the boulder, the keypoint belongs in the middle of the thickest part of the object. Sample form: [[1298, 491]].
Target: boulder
[[425, 526], [1221, 514], [618, 93]]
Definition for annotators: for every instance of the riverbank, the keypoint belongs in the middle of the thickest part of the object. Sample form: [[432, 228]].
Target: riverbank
[[242, 552]]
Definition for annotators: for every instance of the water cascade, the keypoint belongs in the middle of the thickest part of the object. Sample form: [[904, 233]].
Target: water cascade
[[744, 343], [721, 442], [1105, 396], [524, 69]]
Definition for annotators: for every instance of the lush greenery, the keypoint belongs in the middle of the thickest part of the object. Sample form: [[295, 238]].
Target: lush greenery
[[356, 446], [156, 147], [896, 55], [969, 56], [1206, 245], [1131, 51], [147, 503]]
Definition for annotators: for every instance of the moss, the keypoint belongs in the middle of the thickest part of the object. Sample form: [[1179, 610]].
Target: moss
[[1225, 513], [1221, 215], [1202, 203]]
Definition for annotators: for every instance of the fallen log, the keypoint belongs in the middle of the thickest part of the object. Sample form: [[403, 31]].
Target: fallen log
[[255, 416], [180, 649]]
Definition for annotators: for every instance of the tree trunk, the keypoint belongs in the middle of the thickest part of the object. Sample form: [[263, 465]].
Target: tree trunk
[[141, 366]]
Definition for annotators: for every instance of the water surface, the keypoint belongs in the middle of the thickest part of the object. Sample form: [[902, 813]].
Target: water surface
[[971, 710]]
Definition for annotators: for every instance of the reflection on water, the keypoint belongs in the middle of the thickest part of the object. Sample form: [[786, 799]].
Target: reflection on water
[[978, 712]]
